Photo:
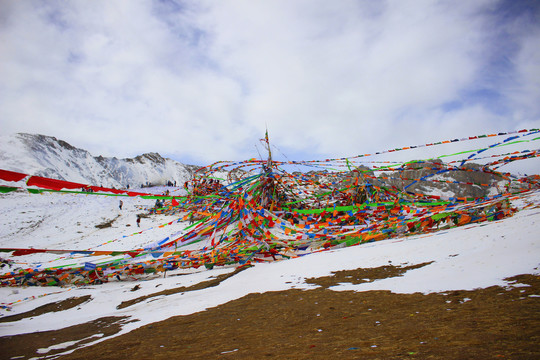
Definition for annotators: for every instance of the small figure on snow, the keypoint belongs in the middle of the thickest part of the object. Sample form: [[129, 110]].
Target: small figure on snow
[[120, 204], [138, 221]]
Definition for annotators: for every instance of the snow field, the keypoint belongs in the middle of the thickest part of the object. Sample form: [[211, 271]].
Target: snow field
[[469, 257]]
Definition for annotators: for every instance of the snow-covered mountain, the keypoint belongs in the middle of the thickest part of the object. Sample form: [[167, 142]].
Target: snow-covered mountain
[[53, 158]]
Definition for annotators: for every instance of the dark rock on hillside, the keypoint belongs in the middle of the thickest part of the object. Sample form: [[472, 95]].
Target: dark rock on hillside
[[429, 177]]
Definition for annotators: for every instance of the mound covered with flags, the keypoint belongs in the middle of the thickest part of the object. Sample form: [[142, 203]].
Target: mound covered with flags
[[241, 213]]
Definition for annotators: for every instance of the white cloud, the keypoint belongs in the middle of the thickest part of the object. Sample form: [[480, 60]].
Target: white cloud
[[200, 80], [344, 83], [527, 86]]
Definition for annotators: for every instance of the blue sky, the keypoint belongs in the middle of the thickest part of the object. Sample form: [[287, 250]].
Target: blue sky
[[199, 81]]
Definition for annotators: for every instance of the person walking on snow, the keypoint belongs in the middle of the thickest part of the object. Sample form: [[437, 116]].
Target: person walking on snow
[[138, 221], [120, 205]]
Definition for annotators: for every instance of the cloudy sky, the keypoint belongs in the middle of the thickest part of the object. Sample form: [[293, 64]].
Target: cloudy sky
[[199, 81]]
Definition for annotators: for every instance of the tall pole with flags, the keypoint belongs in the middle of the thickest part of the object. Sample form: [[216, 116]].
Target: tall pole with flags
[[267, 185], [269, 162]]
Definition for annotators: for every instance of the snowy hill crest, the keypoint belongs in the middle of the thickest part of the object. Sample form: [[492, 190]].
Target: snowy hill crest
[[53, 158]]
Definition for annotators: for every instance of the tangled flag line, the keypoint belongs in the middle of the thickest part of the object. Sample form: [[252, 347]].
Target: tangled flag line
[[254, 211]]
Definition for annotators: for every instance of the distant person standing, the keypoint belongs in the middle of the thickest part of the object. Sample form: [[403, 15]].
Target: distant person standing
[[120, 204], [138, 221]]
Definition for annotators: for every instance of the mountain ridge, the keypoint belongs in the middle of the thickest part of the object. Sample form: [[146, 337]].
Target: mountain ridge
[[54, 158]]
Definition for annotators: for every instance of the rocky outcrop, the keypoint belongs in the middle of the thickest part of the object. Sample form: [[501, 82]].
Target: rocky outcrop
[[433, 177]]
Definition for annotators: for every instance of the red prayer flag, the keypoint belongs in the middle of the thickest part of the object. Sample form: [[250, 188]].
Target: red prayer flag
[[11, 175], [53, 184]]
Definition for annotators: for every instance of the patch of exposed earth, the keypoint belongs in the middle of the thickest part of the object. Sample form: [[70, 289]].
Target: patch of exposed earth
[[492, 323]]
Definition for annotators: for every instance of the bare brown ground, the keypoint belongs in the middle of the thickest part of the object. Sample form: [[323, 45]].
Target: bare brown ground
[[496, 323], [52, 307], [202, 285]]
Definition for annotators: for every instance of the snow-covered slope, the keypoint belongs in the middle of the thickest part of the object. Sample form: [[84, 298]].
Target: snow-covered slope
[[49, 157], [468, 257]]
